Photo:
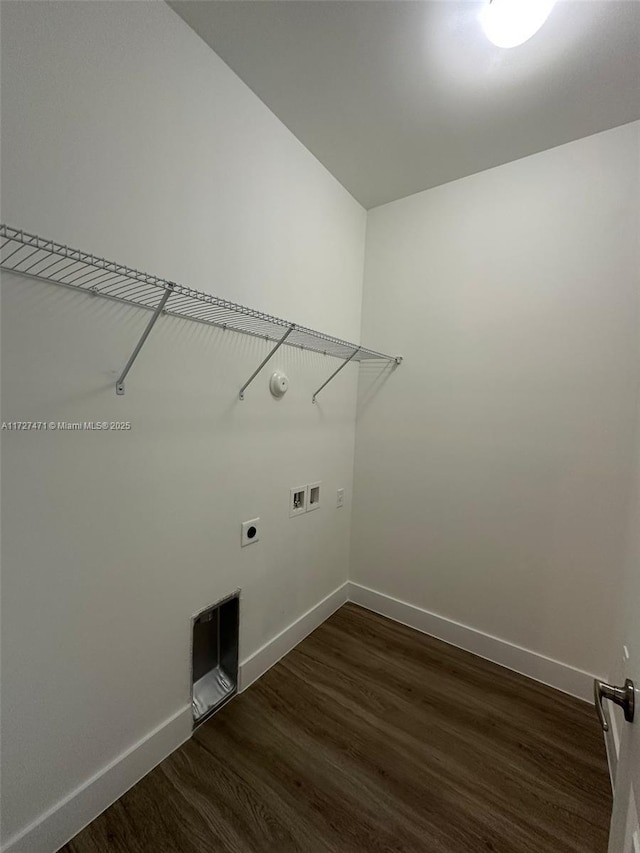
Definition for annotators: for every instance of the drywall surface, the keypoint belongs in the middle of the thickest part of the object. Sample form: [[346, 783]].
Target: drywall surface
[[126, 136], [492, 468]]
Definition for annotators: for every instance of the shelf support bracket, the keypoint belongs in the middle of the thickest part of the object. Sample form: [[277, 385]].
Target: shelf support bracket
[[157, 312], [262, 364], [335, 373]]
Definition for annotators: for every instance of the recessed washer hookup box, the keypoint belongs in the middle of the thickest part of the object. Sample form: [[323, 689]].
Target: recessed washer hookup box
[[214, 653]]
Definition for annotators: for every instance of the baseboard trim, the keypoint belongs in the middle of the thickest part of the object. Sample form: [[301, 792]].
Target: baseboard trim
[[563, 677], [265, 657], [64, 820]]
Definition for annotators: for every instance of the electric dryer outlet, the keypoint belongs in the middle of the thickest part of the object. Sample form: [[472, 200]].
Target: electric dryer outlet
[[250, 531]]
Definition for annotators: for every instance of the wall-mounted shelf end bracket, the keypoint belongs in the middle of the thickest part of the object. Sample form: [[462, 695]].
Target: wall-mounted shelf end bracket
[[157, 312], [262, 363], [397, 360], [335, 373]]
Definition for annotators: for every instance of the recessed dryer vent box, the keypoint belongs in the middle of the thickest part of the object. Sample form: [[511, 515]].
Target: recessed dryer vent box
[[214, 649]]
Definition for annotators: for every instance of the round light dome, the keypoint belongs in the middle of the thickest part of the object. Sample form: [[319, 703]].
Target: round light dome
[[508, 23]]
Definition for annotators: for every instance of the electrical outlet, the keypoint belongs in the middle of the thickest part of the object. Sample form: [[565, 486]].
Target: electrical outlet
[[250, 532], [340, 498], [313, 496], [297, 501]]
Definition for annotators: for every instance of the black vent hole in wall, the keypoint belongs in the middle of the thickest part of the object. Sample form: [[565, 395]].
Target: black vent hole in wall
[[214, 666]]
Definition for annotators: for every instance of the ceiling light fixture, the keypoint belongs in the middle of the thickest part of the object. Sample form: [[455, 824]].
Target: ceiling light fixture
[[508, 23]]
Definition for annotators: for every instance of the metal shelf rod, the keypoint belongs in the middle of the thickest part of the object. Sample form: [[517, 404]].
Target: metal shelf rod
[[262, 364], [335, 373], [140, 344]]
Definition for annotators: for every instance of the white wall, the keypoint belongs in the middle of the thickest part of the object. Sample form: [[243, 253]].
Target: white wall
[[492, 468], [124, 135]]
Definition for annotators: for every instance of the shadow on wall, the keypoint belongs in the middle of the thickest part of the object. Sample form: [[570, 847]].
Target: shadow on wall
[[372, 380]]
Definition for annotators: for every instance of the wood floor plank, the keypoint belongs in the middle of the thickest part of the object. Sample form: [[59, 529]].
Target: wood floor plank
[[371, 738]]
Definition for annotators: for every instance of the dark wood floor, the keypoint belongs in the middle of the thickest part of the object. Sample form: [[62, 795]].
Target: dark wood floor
[[372, 737]]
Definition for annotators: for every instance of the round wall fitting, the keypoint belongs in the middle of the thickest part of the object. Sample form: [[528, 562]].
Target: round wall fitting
[[278, 384]]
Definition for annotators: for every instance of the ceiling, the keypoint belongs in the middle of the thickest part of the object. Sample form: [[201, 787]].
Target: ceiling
[[396, 96]]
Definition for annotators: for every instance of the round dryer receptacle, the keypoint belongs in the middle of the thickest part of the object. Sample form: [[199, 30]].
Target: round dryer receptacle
[[278, 384]]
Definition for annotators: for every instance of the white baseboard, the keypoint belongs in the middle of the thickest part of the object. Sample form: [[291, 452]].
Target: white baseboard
[[64, 820], [563, 677], [260, 661]]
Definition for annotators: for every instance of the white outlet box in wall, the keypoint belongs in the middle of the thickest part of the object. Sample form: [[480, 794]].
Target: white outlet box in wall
[[297, 500], [340, 498], [313, 496]]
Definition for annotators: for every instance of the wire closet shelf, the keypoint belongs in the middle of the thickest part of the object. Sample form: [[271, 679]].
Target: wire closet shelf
[[45, 260]]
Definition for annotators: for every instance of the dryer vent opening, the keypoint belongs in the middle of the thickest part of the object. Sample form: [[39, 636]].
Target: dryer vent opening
[[214, 665]]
